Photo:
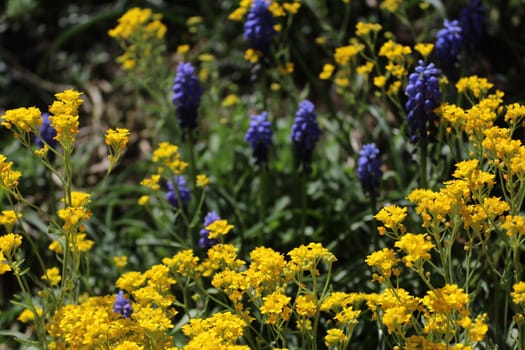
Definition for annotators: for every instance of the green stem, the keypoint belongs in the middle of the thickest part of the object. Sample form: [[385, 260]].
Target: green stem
[[423, 164], [302, 194]]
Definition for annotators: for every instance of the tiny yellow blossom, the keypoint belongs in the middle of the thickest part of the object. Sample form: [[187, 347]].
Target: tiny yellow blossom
[[202, 180], [380, 81], [275, 307], [363, 29], [143, 200], [120, 261], [218, 228], [8, 218], [424, 49], [117, 139], [366, 68], [328, 69], [29, 315], [22, 119], [10, 242], [390, 5], [182, 49], [518, 293], [52, 275], [206, 57], [292, 7], [230, 100], [334, 336], [151, 183]]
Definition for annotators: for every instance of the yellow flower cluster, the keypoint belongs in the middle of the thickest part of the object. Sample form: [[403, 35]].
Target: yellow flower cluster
[[8, 176], [64, 118], [220, 331], [137, 22], [218, 228], [167, 157], [22, 121], [9, 243], [475, 85], [117, 140]]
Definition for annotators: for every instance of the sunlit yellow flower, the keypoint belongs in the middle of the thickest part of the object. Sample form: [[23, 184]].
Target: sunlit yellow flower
[[10, 242], [416, 246], [252, 55], [28, 315], [305, 306], [8, 218], [167, 157], [446, 300], [64, 118], [363, 29], [424, 49], [218, 228], [52, 275], [328, 69], [183, 263], [390, 5], [366, 68], [182, 49], [383, 260], [275, 307], [307, 257], [394, 52], [334, 336], [138, 22], [120, 261], [117, 140], [202, 180], [292, 7], [344, 54], [22, 119], [8, 176], [380, 81], [518, 293], [478, 86], [230, 100], [143, 200], [151, 183]]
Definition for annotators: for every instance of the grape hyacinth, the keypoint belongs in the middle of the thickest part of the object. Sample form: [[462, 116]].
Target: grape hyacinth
[[47, 135], [472, 21], [369, 169], [448, 45], [178, 185], [423, 98], [187, 94], [305, 134], [259, 26], [204, 241], [122, 305], [259, 136]]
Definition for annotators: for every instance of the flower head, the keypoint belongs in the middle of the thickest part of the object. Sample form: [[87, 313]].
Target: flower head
[[449, 43], [122, 305], [369, 168], [205, 241], [187, 94], [472, 21], [259, 136], [423, 98], [305, 134], [259, 26], [178, 194]]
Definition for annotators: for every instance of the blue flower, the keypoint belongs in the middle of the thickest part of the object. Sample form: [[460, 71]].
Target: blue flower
[[472, 21], [305, 134], [369, 169], [204, 241], [47, 134], [178, 194], [423, 98], [259, 136], [259, 26], [448, 45], [122, 305], [187, 94]]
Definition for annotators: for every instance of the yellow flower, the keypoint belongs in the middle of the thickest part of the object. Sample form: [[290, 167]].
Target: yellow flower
[[366, 68], [292, 7], [193, 21], [219, 331], [73, 217], [9, 217], [138, 22], [307, 257], [52, 275], [383, 260], [182, 49], [478, 86], [514, 113], [202, 180], [29, 315], [252, 55], [206, 57], [344, 54], [55, 246], [275, 308], [230, 100], [218, 228], [116, 139], [151, 182], [446, 300], [120, 261], [518, 293], [220, 257], [416, 246], [183, 263], [10, 242], [380, 81], [64, 118], [334, 336], [143, 200], [424, 49], [167, 155], [363, 29], [22, 119], [305, 306], [4, 264], [128, 345], [390, 5], [392, 216], [8, 177], [394, 52]]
